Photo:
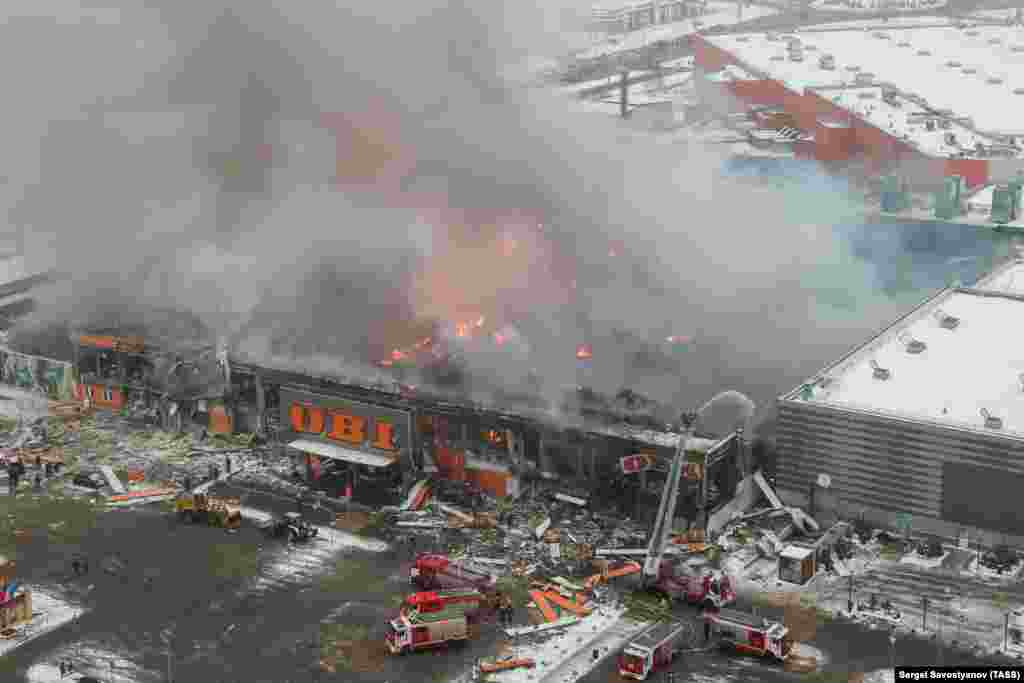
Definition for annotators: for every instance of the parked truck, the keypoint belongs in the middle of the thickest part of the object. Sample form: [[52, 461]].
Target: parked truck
[[750, 634], [417, 630], [431, 571], [201, 508], [654, 648]]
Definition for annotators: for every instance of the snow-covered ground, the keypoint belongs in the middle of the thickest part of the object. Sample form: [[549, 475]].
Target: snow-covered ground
[[863, 6], [996, 14], [50, 612], [92, 660], [297, 563], [719, 14], [568, 654], [924, 562]]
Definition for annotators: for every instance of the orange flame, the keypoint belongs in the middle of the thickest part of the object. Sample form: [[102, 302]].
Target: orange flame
[[480, 321], [583, 352], [461, 330]]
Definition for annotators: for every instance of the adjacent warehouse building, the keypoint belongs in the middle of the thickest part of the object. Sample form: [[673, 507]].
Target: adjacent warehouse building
[[925, 419], [935, 98]]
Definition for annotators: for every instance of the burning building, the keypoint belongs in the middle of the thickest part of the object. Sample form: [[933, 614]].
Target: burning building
[[372, 439]]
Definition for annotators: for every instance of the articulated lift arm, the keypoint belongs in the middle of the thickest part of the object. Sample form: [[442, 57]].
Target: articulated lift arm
[[666, 512]]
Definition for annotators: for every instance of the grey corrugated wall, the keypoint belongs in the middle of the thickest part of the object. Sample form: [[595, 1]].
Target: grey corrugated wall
[[881, 462]]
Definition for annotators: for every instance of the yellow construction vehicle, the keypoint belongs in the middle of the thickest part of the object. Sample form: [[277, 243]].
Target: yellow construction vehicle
[[201, 508]]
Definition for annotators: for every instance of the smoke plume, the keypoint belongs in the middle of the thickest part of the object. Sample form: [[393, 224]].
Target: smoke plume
[[327, 185]]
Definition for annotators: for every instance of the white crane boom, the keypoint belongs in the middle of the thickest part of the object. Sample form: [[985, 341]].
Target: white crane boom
[[666, 513]]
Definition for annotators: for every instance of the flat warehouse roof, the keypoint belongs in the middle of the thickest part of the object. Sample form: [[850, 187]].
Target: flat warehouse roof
[[949, 67], [1008, 279], [977, 366]]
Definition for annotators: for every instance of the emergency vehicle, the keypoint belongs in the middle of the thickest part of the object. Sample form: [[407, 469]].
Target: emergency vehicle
[[435, 601], [711, 590], [434, 571], [415, 630], [652, 649], [750, 634]]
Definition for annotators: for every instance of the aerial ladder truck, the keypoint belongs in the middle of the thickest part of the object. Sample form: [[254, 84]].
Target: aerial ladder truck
[[710, 590]]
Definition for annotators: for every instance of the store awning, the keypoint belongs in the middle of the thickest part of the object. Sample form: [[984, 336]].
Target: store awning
[[331, 452]]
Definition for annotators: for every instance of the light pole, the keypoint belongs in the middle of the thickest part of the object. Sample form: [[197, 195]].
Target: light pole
[[1006, 631], [892, 647]]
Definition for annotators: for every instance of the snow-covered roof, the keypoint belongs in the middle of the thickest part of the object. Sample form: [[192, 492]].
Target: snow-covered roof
[[976, 366], [796, 552], [1007, 279], [951, 68], [904, 119]]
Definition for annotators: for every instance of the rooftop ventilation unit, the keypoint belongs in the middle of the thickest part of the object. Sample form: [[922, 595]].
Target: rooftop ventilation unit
[[953, 64], [972, 34], [991, 421], [1020, 378], [946, 320], [995, 41], [912, 345], [881, 35], [1017, 48], [811, 48], [853, 68], [878, 372], [866, 95], [924, 53], [903, 43], [1018, 91], [994, 81], [778, 58], [970, 70], [743, 39]]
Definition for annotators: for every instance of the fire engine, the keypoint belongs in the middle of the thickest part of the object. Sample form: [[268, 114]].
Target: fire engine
[[435, 601], [434, 571], [653, 648], [711, 590], [418, 630], [749, 634]]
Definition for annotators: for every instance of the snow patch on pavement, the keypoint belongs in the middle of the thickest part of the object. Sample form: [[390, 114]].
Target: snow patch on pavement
[[335, 537], [91, 660], [50, 612], [294, 564], [566, 655]]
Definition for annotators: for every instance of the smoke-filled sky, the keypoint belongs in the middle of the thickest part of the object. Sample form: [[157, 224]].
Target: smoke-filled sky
[[320, 182]]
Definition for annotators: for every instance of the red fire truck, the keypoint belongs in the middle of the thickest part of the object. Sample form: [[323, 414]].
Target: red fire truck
[[749, 634], [415, 630], [436, 571], [435, 601], [712, 590], [652, 649]]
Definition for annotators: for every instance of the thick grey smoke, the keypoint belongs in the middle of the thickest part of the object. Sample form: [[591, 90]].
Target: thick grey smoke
[[319, 182]]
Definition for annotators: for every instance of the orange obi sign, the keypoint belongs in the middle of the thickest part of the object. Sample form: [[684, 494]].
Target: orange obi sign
[[128, 344], [376, 427]]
